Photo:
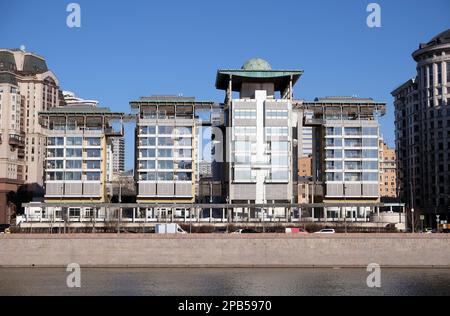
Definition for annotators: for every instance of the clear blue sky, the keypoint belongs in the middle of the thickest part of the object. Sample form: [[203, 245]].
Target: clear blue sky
[[126, 49]]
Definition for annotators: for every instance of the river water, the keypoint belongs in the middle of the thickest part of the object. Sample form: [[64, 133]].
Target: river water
[[223, 282]]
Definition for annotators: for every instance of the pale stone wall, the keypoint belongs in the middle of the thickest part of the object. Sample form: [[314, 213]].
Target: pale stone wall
[[356, 250]]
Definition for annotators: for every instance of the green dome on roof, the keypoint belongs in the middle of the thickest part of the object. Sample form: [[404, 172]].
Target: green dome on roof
[[256, 64]]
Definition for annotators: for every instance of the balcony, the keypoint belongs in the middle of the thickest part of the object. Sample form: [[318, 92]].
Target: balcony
[[16, 141]]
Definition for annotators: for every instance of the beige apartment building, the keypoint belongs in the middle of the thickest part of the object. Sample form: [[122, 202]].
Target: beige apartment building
[[388, 173], [27, 87], [304, 179]]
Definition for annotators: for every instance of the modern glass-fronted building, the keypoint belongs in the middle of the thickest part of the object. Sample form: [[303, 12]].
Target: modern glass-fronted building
[[76, 152], [166, 148]]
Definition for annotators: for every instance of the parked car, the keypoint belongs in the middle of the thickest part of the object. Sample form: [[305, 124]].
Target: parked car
[[296, 231], [245, 231], [326, 231]]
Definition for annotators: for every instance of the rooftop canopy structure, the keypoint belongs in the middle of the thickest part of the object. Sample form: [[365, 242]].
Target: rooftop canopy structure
[[257, 70]]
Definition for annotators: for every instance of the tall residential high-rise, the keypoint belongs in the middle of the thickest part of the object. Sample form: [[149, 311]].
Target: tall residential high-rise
[[26, 88], [77, 145], [422, 124], [166, 148], [388, 173], [118, 154], [260, 130]]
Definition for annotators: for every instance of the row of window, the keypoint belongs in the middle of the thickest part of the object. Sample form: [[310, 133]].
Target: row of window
[[277, 114], [245, 114], [165, 153], [352, 165], [165, 164], [352, 142], [353, 131], [165, 176], [352, 176], [165, 130], [73, 164], [247, 146], [164, 141], [355, 153], [73, 176], [247, 175], [73, 153], [242, 159], [73, 141]]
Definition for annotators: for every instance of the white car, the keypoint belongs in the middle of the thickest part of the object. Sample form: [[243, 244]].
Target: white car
[[326, 231]]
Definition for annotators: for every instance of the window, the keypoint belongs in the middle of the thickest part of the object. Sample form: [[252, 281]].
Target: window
[[370, 165], [93, 141], [280, 160], [55, 164], [55, 152], [147, 176], [74, 152], [370, 176], [277, 131], [242, 146], [147, 164], [55, 141], [185, 142], [184, 153], [183, 176], [73, 176], [93, 176], [243, 175], [334, 153], [352, 176], [166, 130], [353, 154], [280, 146], [334, 176], [352, 131], [334, 131], [147, 141], [93, 164], [334, 142], [93, 153], [280, 175], [245, 114], [183, 130], [165, 141], [353, 142], [370, 142], [448, 75], [370, 131], [146, 153], [165, 176], [277, 114], [147, 130], [370, 153], [165, 164], [73, 164], [165, 153], [247, 130], [334, 165], [74, 141], [353, 165], [184, 164], [55, 176]]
